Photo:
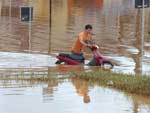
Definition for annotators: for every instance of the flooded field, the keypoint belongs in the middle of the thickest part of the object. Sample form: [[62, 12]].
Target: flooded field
[[27, 52], [60, 94], [117, 25]]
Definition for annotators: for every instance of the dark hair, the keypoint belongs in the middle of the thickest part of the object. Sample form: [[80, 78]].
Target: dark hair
[[88, 26]]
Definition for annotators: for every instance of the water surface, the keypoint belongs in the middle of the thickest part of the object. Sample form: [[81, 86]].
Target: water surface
[[27, 51], [117, 25], [63, 95]]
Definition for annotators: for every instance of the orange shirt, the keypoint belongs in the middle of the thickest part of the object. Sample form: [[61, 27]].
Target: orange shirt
[[78, 46]]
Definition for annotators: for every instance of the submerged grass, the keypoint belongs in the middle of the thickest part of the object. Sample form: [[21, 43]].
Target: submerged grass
[[31, 75], [137, 84]]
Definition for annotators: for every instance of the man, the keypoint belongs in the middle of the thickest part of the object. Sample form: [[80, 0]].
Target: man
[[81, 42]]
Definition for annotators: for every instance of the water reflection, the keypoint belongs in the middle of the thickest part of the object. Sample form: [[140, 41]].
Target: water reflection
[[0, 7], [134, 51], [82, 88], [117, 25], [137, 44], [71, 95], [49, 89], [138, 102]]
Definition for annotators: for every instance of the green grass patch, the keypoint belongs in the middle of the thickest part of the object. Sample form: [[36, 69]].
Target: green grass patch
[[137, 84]]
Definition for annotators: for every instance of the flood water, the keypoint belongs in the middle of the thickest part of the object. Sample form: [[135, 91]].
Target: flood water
[[116, 23], [28, 50], [20, 94]]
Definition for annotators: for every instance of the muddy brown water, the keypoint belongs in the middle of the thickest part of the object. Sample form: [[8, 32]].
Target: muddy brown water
[[117, 25], [117, 28]]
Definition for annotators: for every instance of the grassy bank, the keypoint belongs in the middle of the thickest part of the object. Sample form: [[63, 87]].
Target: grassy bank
[[136, 84]]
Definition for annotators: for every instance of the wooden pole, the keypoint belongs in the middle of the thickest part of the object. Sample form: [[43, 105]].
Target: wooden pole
[[30, 26], [50, 15], [50, 24], [10, 8], [142, 37]]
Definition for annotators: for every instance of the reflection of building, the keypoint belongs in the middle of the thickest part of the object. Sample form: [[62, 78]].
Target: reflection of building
[[12, 6], [68, 19], [41, 8], [138, 102], [81, 9], [83, 6], [133, 41], [149, 24], [48, 91], [21, 36], [138, 45], [98, 3], [0, 7]]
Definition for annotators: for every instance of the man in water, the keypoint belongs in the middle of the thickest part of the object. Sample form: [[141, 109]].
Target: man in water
[[81, 42]]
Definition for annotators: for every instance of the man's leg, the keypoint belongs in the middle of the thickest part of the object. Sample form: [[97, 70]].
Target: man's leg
[[92, 62], [77, 57]]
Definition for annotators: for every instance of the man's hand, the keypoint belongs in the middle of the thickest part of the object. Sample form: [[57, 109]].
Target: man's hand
[[89, 45]]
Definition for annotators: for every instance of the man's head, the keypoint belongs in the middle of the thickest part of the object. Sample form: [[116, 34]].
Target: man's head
[[88, 28]]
